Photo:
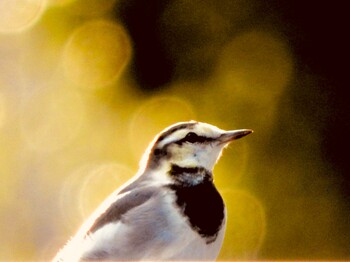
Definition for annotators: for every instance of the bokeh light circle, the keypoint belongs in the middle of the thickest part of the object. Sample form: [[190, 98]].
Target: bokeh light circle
[[87, 187], [96, 53], [69, 198], [253, 71], [246, 226], [153, 116], [51, 118], [258, 61], [99, 183], [19, 15]]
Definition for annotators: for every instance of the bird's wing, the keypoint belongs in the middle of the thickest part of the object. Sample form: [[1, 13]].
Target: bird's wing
[[122, 228], [123, 204]]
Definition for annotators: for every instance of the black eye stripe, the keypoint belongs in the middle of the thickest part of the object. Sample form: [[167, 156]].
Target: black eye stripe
[[192, 137]]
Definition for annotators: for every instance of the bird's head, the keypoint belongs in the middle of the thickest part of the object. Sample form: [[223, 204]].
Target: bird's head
[[190, 144]]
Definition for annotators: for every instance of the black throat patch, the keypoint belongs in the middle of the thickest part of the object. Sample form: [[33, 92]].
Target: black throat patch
[[200, 202]]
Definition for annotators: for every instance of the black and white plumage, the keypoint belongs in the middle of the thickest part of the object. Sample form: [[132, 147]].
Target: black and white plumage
[[170, 210]]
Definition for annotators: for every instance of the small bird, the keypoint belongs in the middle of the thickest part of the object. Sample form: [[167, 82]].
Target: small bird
[[170, 210]]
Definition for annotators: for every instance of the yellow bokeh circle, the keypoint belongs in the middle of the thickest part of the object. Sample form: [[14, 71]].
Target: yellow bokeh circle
[[96, 54], [253, 71], [99, 183], [257, 61], [19, 15], [86, 188], [246, 226]]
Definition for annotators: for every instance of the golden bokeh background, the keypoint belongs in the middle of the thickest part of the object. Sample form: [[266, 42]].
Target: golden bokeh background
[[86, 85]]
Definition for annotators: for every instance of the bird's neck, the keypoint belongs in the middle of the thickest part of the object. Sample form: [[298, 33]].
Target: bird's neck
[[168, 173], [188, 176]]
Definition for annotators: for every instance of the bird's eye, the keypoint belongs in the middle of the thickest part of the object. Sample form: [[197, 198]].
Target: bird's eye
[[191, 137]]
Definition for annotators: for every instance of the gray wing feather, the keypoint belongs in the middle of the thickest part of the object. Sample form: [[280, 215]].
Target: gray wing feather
[[87, 244], [121, 206], [142, 227]]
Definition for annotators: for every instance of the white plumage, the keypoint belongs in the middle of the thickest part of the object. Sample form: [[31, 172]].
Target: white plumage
[[169, 211]]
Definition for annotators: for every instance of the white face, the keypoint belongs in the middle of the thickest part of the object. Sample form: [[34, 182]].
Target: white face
[[202, 149]]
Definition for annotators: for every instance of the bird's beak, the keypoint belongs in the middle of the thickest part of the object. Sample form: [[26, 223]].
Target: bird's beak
[[229, 136]]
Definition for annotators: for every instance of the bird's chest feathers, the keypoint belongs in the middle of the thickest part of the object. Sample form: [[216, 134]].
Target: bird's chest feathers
[[200, 203]]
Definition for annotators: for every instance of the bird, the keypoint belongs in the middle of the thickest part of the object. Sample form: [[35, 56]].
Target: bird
[[170, 210]]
